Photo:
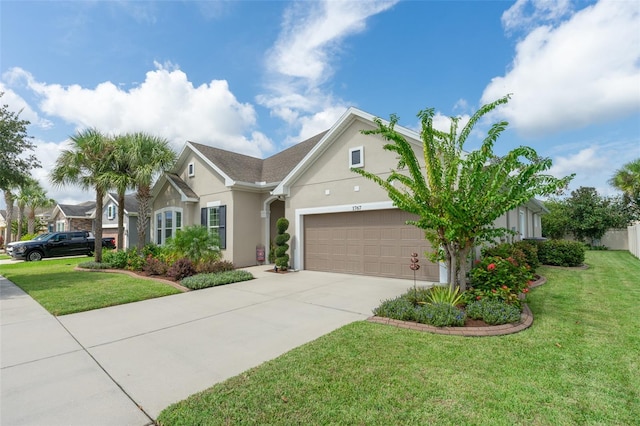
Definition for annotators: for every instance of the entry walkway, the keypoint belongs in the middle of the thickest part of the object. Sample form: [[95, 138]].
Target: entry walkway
[[122, 365]]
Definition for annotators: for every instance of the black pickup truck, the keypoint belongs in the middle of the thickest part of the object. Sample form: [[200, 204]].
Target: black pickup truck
[[57, 244]]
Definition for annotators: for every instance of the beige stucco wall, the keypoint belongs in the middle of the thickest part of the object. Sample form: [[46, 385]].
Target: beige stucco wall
[[246, 226]]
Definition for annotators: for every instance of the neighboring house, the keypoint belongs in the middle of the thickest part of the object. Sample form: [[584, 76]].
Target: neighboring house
[[73, 217], [110, 219], [3, 222], [339, 221]]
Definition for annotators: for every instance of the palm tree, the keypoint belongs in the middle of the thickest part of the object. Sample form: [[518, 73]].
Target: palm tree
[[120, 177], [37, 200], [627, 180], [27, 189], [85, 164], [150, 155], [9, 199]]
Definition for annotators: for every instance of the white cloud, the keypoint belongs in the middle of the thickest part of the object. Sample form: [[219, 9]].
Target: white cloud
[[166, 104], [586, 70], [443, 123], [15, 103], [301, 59], [525, 13]]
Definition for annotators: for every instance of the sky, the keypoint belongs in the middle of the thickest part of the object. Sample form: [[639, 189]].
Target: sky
[[256, 77]]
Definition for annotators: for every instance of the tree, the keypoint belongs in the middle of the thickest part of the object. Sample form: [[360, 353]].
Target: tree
[[26, 191], [591, 215], [557, 222], [37, 200], [627, 180], [85, 164], [120, 177], [459, 195], [150, 155], [14, 164]]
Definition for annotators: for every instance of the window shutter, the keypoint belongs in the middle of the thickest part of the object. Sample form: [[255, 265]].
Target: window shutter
[[203, 216], [222, 230]]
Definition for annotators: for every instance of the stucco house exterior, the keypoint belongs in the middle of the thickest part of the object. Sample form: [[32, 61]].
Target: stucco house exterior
[[339, 221], [130, 222]]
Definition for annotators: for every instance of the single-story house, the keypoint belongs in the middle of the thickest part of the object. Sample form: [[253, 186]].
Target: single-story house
[[72, 217], [130, 222], [339, 221]]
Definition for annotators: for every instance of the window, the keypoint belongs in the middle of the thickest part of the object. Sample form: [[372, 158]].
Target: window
[[59, 225], [215, 219], [168, 221], [356, 157], [111, 211], [523, 224], [191, 169]]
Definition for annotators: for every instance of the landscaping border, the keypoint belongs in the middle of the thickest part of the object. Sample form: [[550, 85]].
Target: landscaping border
[[134, 275], [526, 320]]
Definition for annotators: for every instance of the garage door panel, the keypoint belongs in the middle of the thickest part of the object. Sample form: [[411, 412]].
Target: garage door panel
[[371, 243]]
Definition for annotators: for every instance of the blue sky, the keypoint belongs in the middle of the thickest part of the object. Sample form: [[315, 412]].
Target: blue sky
[[257, 76]]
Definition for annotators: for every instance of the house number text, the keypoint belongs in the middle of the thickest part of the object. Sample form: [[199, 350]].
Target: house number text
[[357, 208]]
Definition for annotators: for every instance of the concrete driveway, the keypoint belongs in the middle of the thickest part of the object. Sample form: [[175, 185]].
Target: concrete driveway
[[124, 364]]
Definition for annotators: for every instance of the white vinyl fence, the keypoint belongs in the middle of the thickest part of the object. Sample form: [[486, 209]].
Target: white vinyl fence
[[634, 239]]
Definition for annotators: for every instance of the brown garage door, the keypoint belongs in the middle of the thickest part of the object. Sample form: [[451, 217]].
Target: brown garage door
[[376, 242]]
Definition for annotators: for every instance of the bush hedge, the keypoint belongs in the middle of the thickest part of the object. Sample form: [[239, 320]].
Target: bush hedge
[[561, 252], [199, 281]]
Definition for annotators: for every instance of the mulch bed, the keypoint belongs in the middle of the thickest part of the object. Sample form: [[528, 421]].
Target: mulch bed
[[471, 328]]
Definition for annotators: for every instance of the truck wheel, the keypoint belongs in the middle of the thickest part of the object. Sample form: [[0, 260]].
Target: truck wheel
[[34, 256]]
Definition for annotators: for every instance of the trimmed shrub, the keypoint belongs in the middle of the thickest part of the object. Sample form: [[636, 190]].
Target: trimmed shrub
[[94, 265], [530, 250], [399, 308], [505, 251], [155, 266], [181, 268], [117, 259], [440, 315], [214, 266], [282, 258], [493, 312], [561, 253], [499, 278], [199, 281], [195, 243]]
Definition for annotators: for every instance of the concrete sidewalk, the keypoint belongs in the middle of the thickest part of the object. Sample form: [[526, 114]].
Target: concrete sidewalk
[[98, 367]]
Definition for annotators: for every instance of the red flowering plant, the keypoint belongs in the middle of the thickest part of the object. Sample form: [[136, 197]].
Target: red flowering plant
[[499, 278]]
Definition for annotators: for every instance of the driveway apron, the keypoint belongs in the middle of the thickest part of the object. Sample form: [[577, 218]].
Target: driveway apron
[[124, 364]]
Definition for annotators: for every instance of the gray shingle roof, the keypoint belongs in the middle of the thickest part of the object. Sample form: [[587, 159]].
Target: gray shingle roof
[[130, 202], [186, 189], [244, 168], [78, 210]]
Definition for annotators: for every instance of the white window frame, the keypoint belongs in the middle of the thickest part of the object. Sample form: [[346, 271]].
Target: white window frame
[[60, 225], [191, 169], [160, 232], [111, 212], [351, 151], [523, 224]]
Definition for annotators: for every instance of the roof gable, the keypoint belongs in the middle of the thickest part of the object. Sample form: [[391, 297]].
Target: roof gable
[[328, 138], [82, 210]]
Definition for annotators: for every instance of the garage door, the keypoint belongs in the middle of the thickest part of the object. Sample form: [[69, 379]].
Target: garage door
[[376, 242]]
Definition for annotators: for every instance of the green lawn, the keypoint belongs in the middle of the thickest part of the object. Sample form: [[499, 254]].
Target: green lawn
[[579, 364], [61, 290], [4, 256]]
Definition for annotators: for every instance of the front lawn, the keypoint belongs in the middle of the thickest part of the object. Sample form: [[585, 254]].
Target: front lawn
[[578, 364], [4, 256], [61, 290]]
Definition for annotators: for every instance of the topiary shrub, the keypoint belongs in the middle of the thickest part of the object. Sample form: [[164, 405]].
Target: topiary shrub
[[181, 268], [493, 311], [212, 267], [199, 281], [282, 258], [561, 253]]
